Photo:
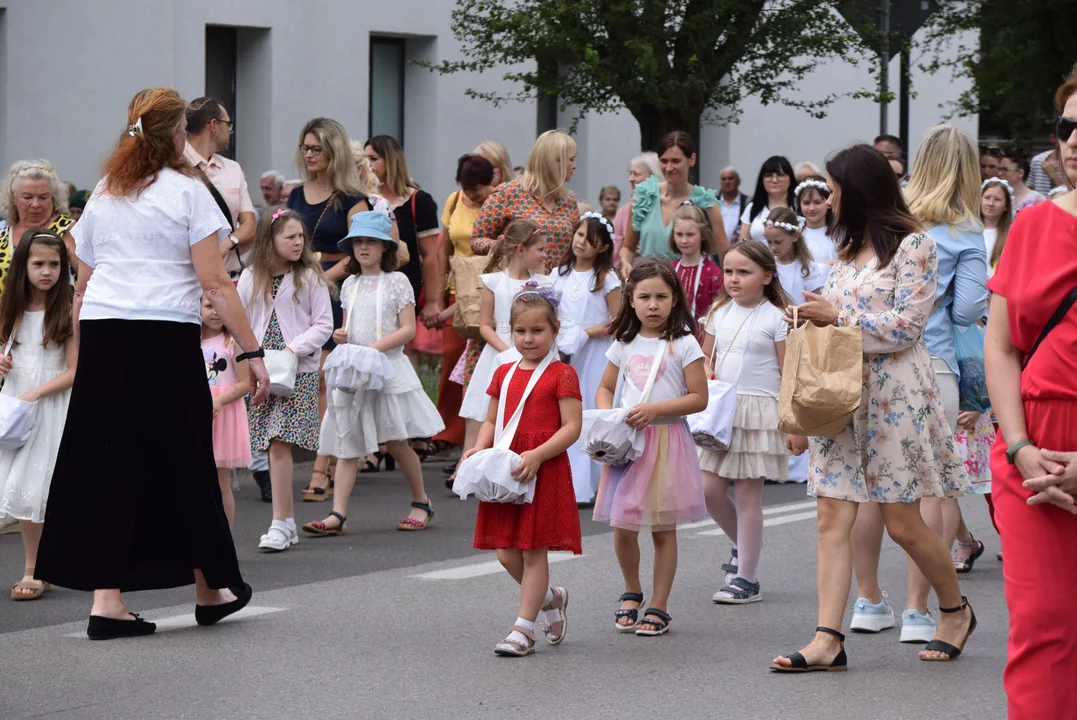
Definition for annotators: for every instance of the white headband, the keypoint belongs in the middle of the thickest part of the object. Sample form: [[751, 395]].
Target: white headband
[[788, 226], [809, 183], [997, 181], [601, 218]]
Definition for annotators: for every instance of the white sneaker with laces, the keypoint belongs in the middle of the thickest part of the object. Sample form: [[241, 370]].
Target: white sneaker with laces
[[872, 617], [278, 540]]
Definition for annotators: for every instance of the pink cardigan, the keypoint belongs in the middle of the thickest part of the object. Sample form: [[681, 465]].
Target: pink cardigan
[[306, 323]]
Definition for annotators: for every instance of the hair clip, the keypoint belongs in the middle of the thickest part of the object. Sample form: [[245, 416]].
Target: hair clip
[[278, 213], [136, 129], [601, 218], [810, 183]]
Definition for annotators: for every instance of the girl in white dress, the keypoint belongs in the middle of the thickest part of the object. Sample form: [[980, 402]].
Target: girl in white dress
[[37, 330], [401, 408], [590, 299], [517, 259], [812, 195]]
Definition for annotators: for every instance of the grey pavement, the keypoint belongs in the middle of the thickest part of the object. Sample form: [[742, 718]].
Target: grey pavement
[[385, 624]]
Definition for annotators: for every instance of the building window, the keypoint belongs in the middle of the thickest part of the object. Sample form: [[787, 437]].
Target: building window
[[387, 66], [221, 43]]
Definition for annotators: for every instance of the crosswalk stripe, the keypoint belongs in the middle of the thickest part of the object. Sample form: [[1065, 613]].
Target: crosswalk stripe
[[175, 622], [770, 522], [771, 510], [463, 572]]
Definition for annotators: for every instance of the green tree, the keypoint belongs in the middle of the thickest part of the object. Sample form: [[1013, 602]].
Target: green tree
[[1018, 53], [673, 64]]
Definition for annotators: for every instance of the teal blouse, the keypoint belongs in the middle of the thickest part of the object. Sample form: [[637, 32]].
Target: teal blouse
[[647, 217]]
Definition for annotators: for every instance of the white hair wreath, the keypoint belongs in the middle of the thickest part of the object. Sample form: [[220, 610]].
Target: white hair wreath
[[997, 181], [601, 218], [809, 183]]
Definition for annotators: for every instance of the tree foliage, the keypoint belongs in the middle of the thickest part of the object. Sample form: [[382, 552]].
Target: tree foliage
[[1015, 57], [671, 63]]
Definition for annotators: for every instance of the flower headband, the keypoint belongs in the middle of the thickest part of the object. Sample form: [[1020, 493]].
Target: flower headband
[[136, 129], [997, 181], [788, 226], [809, 183], [546, 292], [601, 218]]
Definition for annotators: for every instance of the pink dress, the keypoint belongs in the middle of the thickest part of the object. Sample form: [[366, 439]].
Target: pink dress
[[231, 434]]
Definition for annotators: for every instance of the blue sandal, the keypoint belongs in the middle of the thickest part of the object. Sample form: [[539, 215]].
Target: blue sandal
[[659, 626], [630, 613]]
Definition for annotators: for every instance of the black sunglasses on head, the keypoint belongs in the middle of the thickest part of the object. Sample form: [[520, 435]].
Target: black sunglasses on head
[[1064, 127]]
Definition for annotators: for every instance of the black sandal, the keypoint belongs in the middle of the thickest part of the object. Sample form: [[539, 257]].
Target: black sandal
[[388, 459], [800, 665], [964, 565], [630, 613], [729, 567], [952, 652], [661, 625]]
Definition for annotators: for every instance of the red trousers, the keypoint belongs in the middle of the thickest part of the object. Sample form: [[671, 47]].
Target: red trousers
[[1040, 570], [450, 394]]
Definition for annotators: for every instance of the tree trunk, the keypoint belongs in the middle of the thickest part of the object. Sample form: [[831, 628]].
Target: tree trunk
[[654, 123]]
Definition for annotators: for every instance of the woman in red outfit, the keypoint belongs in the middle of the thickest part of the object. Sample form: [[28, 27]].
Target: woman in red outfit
[[1033, 387], [524, 534]]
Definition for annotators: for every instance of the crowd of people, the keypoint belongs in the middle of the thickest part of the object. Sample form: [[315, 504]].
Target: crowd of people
[[309, 311]]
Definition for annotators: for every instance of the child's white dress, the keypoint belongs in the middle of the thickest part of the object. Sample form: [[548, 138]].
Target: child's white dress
[[476, 402], [401, 410], [25, 473], [583, 308]]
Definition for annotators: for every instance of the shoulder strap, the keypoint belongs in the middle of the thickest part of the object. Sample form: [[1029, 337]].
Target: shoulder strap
[[217, 197], [656, 361], [11, 339], [1060, 313], [504, 434]]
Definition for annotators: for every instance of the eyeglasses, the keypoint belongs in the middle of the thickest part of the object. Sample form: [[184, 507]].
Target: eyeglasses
[[1064, 127], [229, 123], [314, 150]]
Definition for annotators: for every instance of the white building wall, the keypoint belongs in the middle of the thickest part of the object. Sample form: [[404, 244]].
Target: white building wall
[[66, 101]]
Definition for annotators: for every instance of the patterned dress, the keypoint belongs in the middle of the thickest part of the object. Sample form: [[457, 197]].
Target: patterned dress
[[509, 202], [898, 446], [292, 419]]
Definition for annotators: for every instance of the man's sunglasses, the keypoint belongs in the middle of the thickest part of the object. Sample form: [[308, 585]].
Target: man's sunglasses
[[1064, 127]]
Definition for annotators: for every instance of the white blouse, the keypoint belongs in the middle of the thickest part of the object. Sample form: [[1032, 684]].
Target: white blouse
[[140, 250]]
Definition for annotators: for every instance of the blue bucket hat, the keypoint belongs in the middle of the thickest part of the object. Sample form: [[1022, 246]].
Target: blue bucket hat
[[367, 224]]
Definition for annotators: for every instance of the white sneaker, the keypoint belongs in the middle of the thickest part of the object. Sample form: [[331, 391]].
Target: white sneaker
[[277, 540], [235, 481], [871, 617], [917, 628]]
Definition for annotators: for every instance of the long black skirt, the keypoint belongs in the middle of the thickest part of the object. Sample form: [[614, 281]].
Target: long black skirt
[[134, 502]]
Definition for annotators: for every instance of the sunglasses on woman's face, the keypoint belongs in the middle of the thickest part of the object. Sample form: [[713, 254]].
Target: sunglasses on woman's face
[[1064, 127]]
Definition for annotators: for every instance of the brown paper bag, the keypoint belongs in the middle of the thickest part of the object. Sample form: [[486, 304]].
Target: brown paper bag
[[466, 271], [822, 380]]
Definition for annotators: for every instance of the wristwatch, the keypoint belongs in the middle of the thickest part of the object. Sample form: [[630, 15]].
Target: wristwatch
[[259, 353], [1012, 450], [234, 240]]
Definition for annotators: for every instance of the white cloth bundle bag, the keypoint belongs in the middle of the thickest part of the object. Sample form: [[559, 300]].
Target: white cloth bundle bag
[[353, 370], [17, 416], [488, 473], [712, 427], [282, 366], [608, 439]]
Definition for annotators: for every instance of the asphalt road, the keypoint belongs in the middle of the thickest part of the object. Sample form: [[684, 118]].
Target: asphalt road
[[385, 624]]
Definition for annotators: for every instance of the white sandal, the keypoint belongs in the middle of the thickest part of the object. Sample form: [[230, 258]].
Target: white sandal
[[515, 648], [277, 540]]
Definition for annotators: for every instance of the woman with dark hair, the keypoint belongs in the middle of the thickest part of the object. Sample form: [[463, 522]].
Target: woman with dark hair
[[654, 201], [1015, 168], [148, 251], [773, 189], [1032, 379], [475, 176], [883, 283]]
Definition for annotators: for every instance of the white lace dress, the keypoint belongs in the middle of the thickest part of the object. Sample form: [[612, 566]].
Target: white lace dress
[[25, 473], [401, 410]]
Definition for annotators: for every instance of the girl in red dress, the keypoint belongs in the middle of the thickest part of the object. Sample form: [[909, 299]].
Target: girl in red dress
[[524, 534]]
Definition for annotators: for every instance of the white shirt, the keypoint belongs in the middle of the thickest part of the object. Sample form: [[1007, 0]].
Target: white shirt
[[756, 226], [579, 304], [730, 217], [822, 246], [751, 362], [794, 283], [638, 354], [140, 250], [990, 235]]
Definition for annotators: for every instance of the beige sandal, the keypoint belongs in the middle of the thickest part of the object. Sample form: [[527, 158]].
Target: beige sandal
[[28, 588], [515, 648], [555, 631]]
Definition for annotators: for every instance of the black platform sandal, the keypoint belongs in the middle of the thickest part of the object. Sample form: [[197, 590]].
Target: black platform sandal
[[630, 613], [952, 652], [800, 665], [965, 565]]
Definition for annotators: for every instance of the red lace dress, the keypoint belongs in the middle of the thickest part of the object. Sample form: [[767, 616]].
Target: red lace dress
[[551, 521]]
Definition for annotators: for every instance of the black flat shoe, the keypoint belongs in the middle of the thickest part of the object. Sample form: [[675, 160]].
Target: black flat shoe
[[262, 478], [104, 628], [212, 614]]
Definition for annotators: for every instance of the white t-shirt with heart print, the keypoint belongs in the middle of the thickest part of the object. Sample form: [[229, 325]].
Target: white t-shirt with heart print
[[634, 359]]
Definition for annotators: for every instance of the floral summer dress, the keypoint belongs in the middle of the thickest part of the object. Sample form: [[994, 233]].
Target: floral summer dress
[[898, 446]]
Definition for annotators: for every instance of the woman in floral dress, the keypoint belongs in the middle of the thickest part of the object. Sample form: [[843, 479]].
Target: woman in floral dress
[[897, 447]]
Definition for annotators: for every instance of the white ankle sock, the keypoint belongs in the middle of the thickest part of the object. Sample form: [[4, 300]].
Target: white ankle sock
[[519, 636], [550, 616], [281, 525], [291, 523], [549, 596]]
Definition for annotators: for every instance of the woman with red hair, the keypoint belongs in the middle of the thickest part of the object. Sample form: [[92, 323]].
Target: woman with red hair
[[148, 251]]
